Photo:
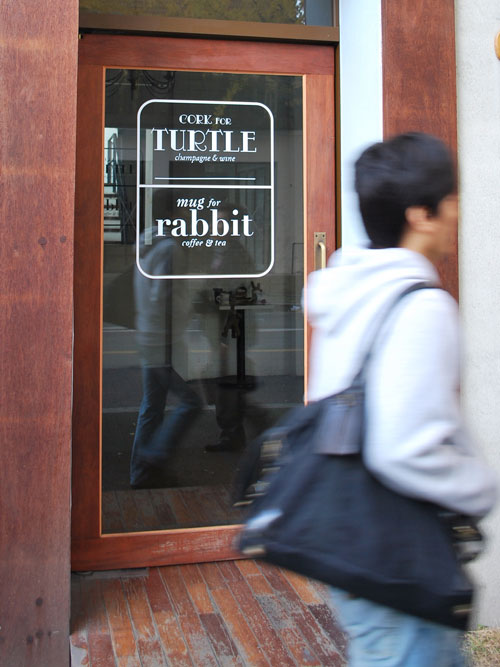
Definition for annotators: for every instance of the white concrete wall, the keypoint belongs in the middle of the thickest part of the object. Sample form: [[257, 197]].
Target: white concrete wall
[[478, 84], [360, 99]]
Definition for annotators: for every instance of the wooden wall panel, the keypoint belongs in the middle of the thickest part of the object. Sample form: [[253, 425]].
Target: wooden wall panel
[[204, 54], [38, 58], [319, 183], [319, 157], [86, 483], [419, 80]]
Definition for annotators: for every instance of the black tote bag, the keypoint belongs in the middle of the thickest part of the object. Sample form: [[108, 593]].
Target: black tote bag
[[325, 516]]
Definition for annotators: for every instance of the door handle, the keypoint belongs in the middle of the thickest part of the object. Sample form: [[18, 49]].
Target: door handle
[[319, 250]]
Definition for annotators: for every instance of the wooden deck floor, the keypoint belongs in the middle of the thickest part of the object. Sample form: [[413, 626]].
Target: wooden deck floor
[[226, 613]]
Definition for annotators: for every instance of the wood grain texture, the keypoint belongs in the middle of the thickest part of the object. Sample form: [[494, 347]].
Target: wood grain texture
[[157, 24], [319, 174], [86, 480], [38, 61], [194, 630], [154, 548], [319, 161], [149, 646], [120, 622], [419, 80], [205, 55], [202, 615], [94, 621], [169, 630], [296, 609]]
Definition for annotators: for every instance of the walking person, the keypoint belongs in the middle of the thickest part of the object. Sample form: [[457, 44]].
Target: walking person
[[415, 442], [162, 314]]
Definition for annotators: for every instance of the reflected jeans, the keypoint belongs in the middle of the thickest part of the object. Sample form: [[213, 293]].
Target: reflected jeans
[[383, 637], [157, 434]]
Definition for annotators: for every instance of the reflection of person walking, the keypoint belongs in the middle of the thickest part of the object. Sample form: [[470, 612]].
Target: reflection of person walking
[[415, 442], [161, 319], [230, 400]]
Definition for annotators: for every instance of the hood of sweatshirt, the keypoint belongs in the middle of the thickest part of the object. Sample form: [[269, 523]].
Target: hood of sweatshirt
[[347, 304]]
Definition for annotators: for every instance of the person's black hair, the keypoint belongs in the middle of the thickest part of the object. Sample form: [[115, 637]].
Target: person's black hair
[[413, 169]]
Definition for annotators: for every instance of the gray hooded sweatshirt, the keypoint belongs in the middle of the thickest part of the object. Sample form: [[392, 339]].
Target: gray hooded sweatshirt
[[415, 440]]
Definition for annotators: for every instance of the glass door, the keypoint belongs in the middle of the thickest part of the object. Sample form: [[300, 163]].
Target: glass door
[[202, 186]]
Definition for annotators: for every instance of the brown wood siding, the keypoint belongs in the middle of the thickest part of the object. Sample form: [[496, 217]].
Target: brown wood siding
[[86, 481], [204, 55], [319, 186], [38, 58], [168, 25], [419, 80]]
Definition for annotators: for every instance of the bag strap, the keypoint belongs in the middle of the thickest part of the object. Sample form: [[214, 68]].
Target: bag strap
[[409, 290]]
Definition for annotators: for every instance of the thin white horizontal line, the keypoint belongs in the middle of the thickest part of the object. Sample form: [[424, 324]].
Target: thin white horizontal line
[[202, 178], [214, 187]]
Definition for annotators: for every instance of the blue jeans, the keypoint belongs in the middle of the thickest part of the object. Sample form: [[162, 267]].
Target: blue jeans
[[383, 637], [157, 434]]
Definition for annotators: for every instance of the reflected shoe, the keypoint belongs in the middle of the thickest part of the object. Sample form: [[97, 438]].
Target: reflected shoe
[[150, 478], [225, 445]]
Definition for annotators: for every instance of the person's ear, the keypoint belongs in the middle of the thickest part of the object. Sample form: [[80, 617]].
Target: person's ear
[[419, 218]]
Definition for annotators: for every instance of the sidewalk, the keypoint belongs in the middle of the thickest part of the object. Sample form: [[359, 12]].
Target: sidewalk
[[226, 613]]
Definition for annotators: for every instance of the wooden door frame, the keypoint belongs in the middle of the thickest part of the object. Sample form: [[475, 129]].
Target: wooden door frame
[[90, 548], [419, 83]]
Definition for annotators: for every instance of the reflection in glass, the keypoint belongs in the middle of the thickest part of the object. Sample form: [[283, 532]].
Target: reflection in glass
[[194, 368], [306, 12]]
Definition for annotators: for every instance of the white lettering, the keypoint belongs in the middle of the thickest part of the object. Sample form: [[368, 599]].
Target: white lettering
[[159, 227], [200, 227], [213, 145], [159, 138], [195, 119], [191, 243], [246, 221], [246, 137], [191, 203], [173, 137], [236, 224], [212, 141], [195, 222], [180, 229], [228, 148], [194, 144], [216, 222]]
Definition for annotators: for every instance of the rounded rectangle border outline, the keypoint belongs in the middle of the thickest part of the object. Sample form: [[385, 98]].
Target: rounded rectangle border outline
[[140, 186]]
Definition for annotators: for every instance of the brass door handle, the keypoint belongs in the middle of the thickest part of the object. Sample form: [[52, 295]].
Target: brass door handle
[[319, 250]]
